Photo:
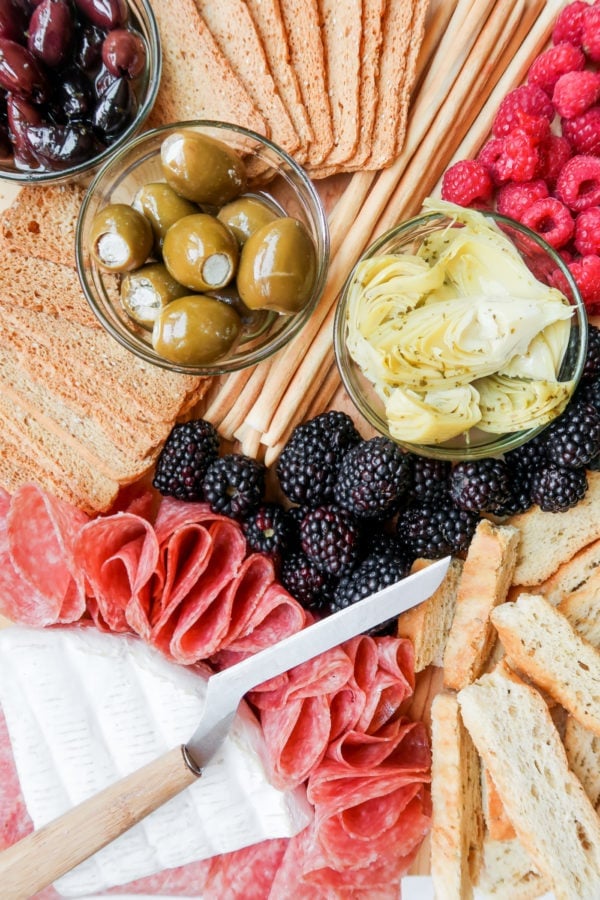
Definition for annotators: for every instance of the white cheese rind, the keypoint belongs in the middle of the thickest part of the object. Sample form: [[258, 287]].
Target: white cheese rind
[[84, 709]]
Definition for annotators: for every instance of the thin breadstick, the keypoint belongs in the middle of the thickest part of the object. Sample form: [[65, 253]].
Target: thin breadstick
[[249, 439], [227, 393], [347, 207], [436, 25], [245, 400]]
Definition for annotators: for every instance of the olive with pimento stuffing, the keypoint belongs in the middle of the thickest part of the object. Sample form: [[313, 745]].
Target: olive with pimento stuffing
[[162, 207], [246, 215], [195, 330], [146, 291], [200, 252], [201, 168], [278, 265], [120, 238]]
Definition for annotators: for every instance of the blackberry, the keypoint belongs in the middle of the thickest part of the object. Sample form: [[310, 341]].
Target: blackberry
[[373, 477], [382, 543], [519, 500], [590, 393], [331, 538], [591, 368], [480, 485], [529, 456], [268, 530], [234, 485], [433, 529], [558, 488], [574, 438], [294, 516], [189, 450], [430, 477], [308, 584], [375, 572], [307, 468]]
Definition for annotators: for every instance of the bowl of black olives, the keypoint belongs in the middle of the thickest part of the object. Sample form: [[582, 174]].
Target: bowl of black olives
[[202, 247], [78, 78]]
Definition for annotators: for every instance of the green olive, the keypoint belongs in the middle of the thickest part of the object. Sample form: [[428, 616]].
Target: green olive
[[278, 267], [120, 238], [252, 319], [200, 252], [162, 207], [195, 330], [146, 291], [201, 168], [246, 215]]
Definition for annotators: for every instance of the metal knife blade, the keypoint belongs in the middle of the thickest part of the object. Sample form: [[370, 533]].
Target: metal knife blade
[[225, 689]]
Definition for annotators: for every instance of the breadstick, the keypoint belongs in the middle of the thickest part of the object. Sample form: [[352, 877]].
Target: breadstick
[[227, 393], [244, 401]]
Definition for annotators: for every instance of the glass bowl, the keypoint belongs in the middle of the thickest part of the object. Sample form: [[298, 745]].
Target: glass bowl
[[145, 23], [273, 176], [474, 443]]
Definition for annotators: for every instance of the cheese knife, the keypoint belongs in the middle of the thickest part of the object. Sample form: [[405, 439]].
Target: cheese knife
[[47, 854]]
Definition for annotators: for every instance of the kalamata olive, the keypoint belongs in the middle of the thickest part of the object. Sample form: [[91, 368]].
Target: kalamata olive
[[74, 97], [21, 73], [60, 146], [6, 147], [103, 80], [115, 109], [162, 207], [13, 20], [246, 215], [88, 47], [201, 168], [105, 13], [21, 114], [278, 267], [200, 252], [195, 330], [124, 53], [51, 32], [120, 238], [146, 291]]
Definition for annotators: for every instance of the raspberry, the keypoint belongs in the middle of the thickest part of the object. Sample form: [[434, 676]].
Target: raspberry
[[467, 183], [519, 159], [568, 27], [587, 231], [547, 68], [578, 185], [586, 272], [575, 92], [551, 219], [590, 36], [527, 108], [489, 155], [583, 132], [513, 199], [553, 152]]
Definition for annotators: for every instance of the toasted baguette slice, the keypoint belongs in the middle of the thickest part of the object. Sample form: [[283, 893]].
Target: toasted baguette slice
[[552, 816], [197, 81], [570, 575], [41, 222], [582, 609], [541, 642], [583, 752], [485, 580], [560, 536], [457, 820], [508, 872], [498, 825], [428, 624]]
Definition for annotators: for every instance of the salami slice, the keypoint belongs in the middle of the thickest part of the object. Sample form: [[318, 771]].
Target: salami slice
[[246, 874]]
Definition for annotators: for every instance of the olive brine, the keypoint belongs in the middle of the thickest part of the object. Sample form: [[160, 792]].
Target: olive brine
[[72, 74], [202, 259]]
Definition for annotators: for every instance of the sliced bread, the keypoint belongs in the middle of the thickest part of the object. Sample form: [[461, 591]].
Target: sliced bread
[[582, 609], [583, 752], [570, 575], [551, 813], [508, 872], [41, 222], [498, 825]]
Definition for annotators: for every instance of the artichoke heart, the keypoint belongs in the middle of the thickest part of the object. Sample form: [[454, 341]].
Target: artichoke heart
[[512, 404], [433, 417]]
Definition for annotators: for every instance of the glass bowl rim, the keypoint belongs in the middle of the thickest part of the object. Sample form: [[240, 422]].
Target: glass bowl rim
[[296, 322], [502, 443], [25, 178]]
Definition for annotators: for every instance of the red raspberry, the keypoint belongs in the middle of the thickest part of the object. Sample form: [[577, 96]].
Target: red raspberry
[[587, 231], [590, 37], [586, 272], [578, 185], [519, 159], [513, 199], [467, 182], [526, 107], [575, 92], [551, 219], [568, 27], [547, 68], [489, 155], [583, 132], [554, 153]]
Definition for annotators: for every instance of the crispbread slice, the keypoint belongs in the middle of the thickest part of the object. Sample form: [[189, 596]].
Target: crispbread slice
[[268, 19], [41, 222], [197, 81], [582, 609], [571, 575], [233, 28], [373, 11], [552, 816], [541, 643]]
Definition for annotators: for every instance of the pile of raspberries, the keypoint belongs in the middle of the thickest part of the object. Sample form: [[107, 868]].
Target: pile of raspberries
[[541, 164]]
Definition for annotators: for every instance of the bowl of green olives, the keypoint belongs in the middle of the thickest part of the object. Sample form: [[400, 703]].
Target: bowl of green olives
[[78, 78], [202, 247]]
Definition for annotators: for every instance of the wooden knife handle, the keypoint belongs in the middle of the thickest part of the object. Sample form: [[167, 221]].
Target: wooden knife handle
[[45, 855]]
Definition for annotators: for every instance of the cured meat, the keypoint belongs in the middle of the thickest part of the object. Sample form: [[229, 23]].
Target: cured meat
[[246, 874]]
